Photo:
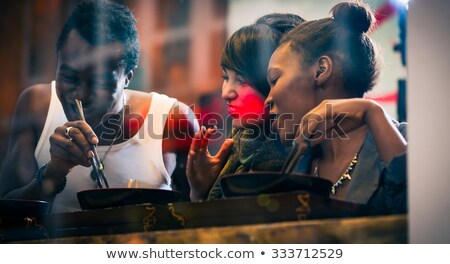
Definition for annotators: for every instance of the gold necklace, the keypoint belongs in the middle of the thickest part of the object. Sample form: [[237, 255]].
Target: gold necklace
[[344, 177]]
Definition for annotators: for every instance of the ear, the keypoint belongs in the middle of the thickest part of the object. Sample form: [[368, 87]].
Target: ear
[[128, 78], [324, 69]]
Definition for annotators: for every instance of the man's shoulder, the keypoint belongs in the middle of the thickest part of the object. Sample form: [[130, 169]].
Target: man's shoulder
[[178, 111], [39, 88], [139, 97], [34, 99], [32, 108], [141, 102], [136, 96]]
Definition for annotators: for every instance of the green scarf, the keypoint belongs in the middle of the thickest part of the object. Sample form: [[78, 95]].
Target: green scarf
[[252, 150]]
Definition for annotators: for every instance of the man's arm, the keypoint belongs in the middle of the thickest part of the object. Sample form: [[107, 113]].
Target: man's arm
[[17, 179], [179, 130]]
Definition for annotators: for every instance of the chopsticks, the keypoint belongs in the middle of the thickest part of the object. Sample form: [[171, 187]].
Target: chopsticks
[[132, 183], [96, 161], [291, 161], [295, 155]]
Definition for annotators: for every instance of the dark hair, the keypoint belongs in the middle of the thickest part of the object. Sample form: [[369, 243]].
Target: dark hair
[[102, 22], [248, 50], [343, 37]]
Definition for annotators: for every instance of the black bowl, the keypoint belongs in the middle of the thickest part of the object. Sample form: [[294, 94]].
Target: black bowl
[[16, 207], [113, 197], [255, 183]]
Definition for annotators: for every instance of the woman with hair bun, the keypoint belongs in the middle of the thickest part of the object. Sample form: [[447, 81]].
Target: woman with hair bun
[[318, 76]]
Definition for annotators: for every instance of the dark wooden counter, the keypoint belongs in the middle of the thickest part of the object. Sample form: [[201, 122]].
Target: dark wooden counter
[[380, 229], [296, 217]]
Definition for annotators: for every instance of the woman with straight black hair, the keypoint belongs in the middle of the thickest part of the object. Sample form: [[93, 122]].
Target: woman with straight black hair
[[252, 146]]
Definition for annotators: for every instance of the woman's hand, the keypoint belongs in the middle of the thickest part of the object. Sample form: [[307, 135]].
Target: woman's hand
[[336, 118], [70, 145], [202, 169], [333, 118]]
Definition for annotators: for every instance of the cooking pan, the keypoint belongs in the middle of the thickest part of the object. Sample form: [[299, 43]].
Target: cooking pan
[[113, 197], [254, 183], [16, 207]]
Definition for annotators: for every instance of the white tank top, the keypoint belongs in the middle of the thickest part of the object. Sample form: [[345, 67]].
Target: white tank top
[[139, 157]]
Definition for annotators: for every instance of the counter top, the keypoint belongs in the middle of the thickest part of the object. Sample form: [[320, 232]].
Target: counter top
[[296, 217], [379, 229]]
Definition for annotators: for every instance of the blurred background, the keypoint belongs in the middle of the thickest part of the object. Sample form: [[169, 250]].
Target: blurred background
[[181, 43]]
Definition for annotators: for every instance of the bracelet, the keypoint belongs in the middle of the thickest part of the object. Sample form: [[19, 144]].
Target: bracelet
[[40, 180]]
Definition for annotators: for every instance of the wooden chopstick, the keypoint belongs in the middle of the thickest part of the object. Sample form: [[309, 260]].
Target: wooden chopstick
[[96, 161]]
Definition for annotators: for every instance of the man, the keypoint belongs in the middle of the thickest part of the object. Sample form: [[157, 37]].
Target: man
[[50, 155]]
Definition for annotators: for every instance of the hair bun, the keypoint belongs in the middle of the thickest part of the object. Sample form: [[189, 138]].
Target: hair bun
[[355, 16]]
